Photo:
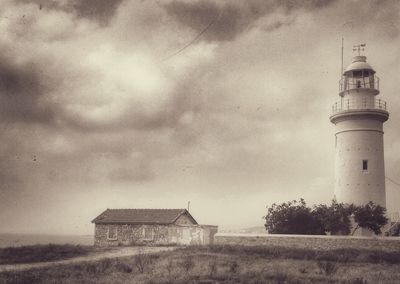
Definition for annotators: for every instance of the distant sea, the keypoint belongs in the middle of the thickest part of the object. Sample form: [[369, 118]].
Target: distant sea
[[13, 240]]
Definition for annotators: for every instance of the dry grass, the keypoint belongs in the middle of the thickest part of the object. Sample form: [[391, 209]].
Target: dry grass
[[225, 264], [41, 253]]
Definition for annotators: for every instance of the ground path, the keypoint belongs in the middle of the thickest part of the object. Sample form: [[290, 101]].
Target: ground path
[[96, 255]]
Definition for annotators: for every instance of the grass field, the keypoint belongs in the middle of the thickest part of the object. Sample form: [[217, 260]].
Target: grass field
[[40, 253], [226, 264]]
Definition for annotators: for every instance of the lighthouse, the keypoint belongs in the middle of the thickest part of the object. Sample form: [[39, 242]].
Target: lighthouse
[[358, 117]]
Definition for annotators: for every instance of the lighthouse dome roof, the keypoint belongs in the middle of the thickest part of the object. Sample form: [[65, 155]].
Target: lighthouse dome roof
[[359, 63]]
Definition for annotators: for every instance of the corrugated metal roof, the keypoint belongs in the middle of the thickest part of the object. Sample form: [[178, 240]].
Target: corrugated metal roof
[[141, 216]]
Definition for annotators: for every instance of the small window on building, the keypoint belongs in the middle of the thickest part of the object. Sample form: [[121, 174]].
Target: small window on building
[[112, 233], [148, 233], [365, 165]]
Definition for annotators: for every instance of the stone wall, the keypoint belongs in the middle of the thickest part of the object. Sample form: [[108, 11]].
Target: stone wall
[[311, 242], [127, 235], [116, 235]]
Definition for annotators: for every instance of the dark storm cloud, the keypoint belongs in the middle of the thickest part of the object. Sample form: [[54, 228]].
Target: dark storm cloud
[[22, 92], [226, 21], [48, 4], [232, 18], [99, 10], [374, 15], [290, 5]]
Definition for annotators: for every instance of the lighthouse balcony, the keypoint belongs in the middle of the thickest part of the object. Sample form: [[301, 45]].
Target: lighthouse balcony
[[362, 104], [370, 82]]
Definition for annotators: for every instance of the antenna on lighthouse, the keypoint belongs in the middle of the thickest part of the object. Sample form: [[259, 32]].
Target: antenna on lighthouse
[[341, 70], [359, 48]]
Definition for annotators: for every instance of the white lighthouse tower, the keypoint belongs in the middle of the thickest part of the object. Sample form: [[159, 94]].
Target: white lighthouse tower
[[358, 119]]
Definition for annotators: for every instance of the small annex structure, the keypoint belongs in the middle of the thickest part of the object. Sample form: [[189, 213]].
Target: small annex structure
[[116, 227]]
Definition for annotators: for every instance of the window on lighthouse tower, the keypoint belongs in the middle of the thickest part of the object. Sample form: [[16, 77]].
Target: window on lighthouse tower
[[365, 165]]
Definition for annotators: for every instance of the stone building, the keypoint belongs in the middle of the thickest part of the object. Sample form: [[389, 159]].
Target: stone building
[[116, 227]]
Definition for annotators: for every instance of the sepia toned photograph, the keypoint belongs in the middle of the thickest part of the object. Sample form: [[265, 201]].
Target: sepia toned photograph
[[199, 141]]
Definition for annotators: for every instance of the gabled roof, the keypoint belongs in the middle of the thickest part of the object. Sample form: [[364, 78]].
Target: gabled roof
[[141, 216]]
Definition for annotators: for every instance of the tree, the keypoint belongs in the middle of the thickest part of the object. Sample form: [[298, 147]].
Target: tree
[[293, 217], [335, 218], [370, 216]]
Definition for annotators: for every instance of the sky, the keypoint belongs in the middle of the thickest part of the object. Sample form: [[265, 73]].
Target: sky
[[151, 104]]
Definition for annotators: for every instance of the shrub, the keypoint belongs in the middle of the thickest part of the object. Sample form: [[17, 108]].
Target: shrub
[[105, 265], [293, 217], [233, 266], [335, 218], [332, 256], [99, 267], [152, 258], [170, 267], [370, 216], [280, 277], [187, 264], [303, 270], [89, 268], [141, 261], [327, 267], [123, 267], [213, 266]]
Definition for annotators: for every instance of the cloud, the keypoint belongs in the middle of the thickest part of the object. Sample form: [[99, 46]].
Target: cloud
[[75, 86], [22, 93], [101, 11], [230, 18]]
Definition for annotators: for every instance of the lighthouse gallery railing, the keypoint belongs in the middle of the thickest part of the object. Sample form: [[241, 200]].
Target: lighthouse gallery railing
[[358, 104]]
